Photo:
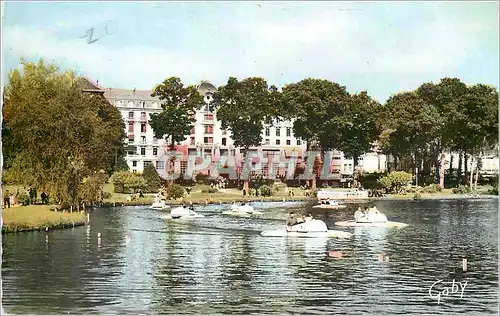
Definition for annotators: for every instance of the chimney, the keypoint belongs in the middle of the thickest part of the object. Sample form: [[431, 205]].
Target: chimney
[[97, 82]]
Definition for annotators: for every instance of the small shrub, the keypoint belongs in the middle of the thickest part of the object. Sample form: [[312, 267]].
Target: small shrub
[[417, 196], [202, 178], [175, 192], [106, 195], [432, 188], [266, 190], [462, 189]]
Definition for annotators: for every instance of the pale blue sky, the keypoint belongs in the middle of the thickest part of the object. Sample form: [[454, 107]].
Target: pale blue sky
[[382, 47]]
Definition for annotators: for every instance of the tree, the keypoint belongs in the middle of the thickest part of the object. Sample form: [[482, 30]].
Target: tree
[[179, 105], [411, 128], [54, 134], [317, 106], [152, 178], [359, 126], [242, 107]]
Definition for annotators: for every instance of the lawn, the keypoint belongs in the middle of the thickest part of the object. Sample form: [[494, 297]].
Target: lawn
[[38, 217]]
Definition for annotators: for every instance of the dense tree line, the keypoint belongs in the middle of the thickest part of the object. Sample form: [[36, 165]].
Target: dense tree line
[[415, 127], [56, 137]]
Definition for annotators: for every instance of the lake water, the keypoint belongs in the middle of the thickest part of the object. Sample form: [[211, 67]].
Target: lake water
[[221, 265]]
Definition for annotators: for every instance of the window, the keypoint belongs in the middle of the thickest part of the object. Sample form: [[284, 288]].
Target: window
[[278, 132], [268, 132], [143, 139], [134, 163], [288, 132], [209, 129], [191, 140], [131, 138], [130, 153], [224, 141], [143, 116], [143, 151], [143, 128], [288, 142], [298, 142], [208, 140], [155, 151], [267, 141], [131, 115], [278, 142], [224, 132], [131, 127], [146, 163], [208, 117], [192, 131], [269, 121], [160, 165]]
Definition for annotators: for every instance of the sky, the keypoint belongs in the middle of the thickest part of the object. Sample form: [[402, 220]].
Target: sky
[[379, 47]]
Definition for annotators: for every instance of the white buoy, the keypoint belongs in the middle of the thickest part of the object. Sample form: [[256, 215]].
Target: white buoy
[[98, 239], [88, 218], [464, 264], [127, 238]]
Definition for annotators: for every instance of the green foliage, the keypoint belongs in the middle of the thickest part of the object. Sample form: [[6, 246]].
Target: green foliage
[[175, 191], [462, 189], [417, 196], [91, 188], [432, 188], [119, 179], [266, 190], [242, 108], [128, 182], [317, 106], [54, 134], [369, 181], [202, 178], [152, 178], [179, 104], [359, 126], [106, 195], [385, 183], [395, 181]]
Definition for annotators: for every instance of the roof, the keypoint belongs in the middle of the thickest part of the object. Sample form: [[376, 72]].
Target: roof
[[129, 94], [89, 85]]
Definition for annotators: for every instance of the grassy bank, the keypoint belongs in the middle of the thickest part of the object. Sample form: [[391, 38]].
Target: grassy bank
[[38, 217]]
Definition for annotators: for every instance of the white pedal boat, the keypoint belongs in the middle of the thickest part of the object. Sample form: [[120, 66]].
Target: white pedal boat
[[312, 229], [159, 205], [242, 211], [372, 218], [183, 213], [330, 204]]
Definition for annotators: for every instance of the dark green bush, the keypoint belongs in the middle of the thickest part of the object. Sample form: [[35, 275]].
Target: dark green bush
[[175, 192], [106, 195], [266, 190]]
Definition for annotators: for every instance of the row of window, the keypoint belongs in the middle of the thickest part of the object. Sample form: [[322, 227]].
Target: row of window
[[143, 151], [143, 127], [143, 116], [278, 132], [278, 142]]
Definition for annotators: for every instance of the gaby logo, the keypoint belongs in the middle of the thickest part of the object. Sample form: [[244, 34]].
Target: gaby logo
[[169, 166], [439, 289]]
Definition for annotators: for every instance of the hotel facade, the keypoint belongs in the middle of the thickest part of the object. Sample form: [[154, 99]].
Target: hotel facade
[[208, 139]]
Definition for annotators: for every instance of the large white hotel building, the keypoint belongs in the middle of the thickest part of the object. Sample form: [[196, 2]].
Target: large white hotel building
[[207, 137]]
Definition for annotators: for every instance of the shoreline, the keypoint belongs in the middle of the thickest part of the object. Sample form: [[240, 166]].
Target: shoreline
[[38, 218], [306, 199]]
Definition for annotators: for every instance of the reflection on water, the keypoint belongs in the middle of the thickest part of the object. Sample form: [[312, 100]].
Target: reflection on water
[[222, 265]]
